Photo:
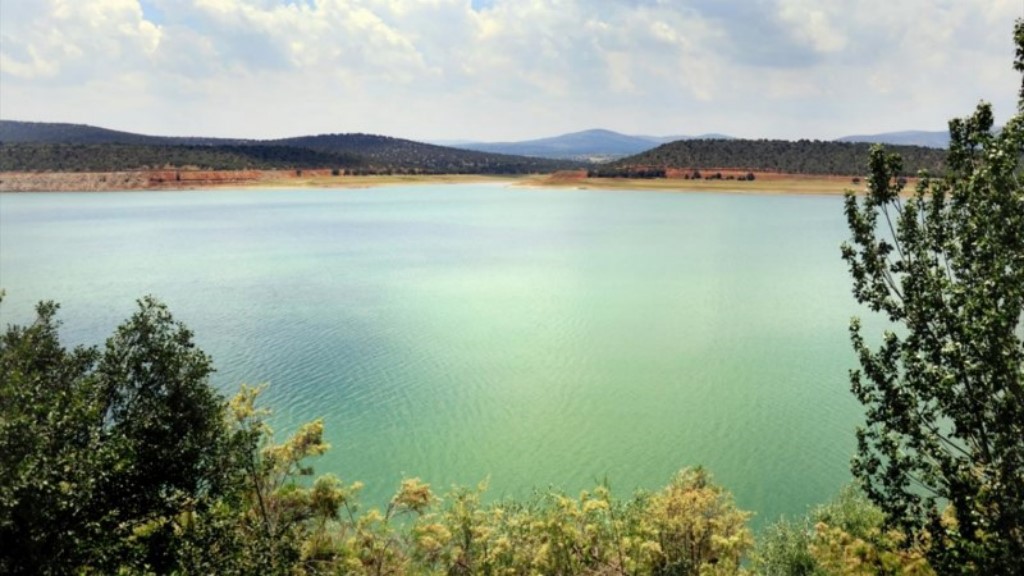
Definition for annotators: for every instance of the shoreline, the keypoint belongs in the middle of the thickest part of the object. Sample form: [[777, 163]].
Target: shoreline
[[181, 180], [763, 183], [174, 180]]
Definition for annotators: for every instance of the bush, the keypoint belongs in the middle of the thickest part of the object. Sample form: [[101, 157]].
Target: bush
[[102, 453], [845, 536], [127, 461]]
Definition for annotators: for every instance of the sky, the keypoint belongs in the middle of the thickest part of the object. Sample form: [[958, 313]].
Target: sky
[[502, 70]]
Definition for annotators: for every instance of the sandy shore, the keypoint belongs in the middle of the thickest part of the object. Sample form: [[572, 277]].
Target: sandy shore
[[328, 181], [764, 183]]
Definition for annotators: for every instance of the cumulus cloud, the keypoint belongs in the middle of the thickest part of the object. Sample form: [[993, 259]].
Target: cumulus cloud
[[72, 39], [812, 24], [499, 69]]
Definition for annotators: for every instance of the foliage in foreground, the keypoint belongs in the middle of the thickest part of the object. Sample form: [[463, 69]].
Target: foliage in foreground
[[102, 452], [126, 460], [942, 451], [846, 536]]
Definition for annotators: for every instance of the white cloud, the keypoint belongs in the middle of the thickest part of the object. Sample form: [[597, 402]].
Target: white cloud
[[505, 68], [812, 24], [50, 38]]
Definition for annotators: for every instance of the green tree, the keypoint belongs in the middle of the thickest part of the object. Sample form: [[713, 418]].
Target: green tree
[[125, 461], [105, 458], [942, 450], [167, 423], [51, 454]]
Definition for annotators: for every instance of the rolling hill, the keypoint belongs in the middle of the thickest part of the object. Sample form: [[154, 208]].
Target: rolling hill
[[785, 156], [38, 146], [13, 131]]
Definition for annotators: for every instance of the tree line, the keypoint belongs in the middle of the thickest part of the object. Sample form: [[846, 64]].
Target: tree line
[[783, 156], [122, 157], [369, 154]]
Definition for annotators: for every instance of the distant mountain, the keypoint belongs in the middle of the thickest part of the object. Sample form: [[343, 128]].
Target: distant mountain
[[594, 144], [462, 143], [585, 144], [936, 139], [39, 146]]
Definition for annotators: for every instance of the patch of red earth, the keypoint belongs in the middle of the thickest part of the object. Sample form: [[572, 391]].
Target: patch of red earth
[[567, 176]]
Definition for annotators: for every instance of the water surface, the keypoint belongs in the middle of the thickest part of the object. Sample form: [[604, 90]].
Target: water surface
[[536, 337]]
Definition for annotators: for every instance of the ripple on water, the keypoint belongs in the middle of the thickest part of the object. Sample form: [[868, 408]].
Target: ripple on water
[[465, 332]]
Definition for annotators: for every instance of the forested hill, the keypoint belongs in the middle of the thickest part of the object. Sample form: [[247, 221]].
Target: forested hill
[[408, 154], [12, 131], [32, 146], [792, 157], [125, 157], [41, 147]]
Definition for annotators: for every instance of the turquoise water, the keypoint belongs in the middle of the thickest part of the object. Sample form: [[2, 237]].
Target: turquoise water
[[533, 337]]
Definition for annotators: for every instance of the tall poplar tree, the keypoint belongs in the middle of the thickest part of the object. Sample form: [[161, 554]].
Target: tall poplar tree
[[942, 449]]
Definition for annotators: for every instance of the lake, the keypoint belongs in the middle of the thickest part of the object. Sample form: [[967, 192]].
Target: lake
[[461, 332]]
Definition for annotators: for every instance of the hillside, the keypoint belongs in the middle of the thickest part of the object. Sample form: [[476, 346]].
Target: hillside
[[799, 157], [42, 147], [34, 146], [13, 131], [122, 157]]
